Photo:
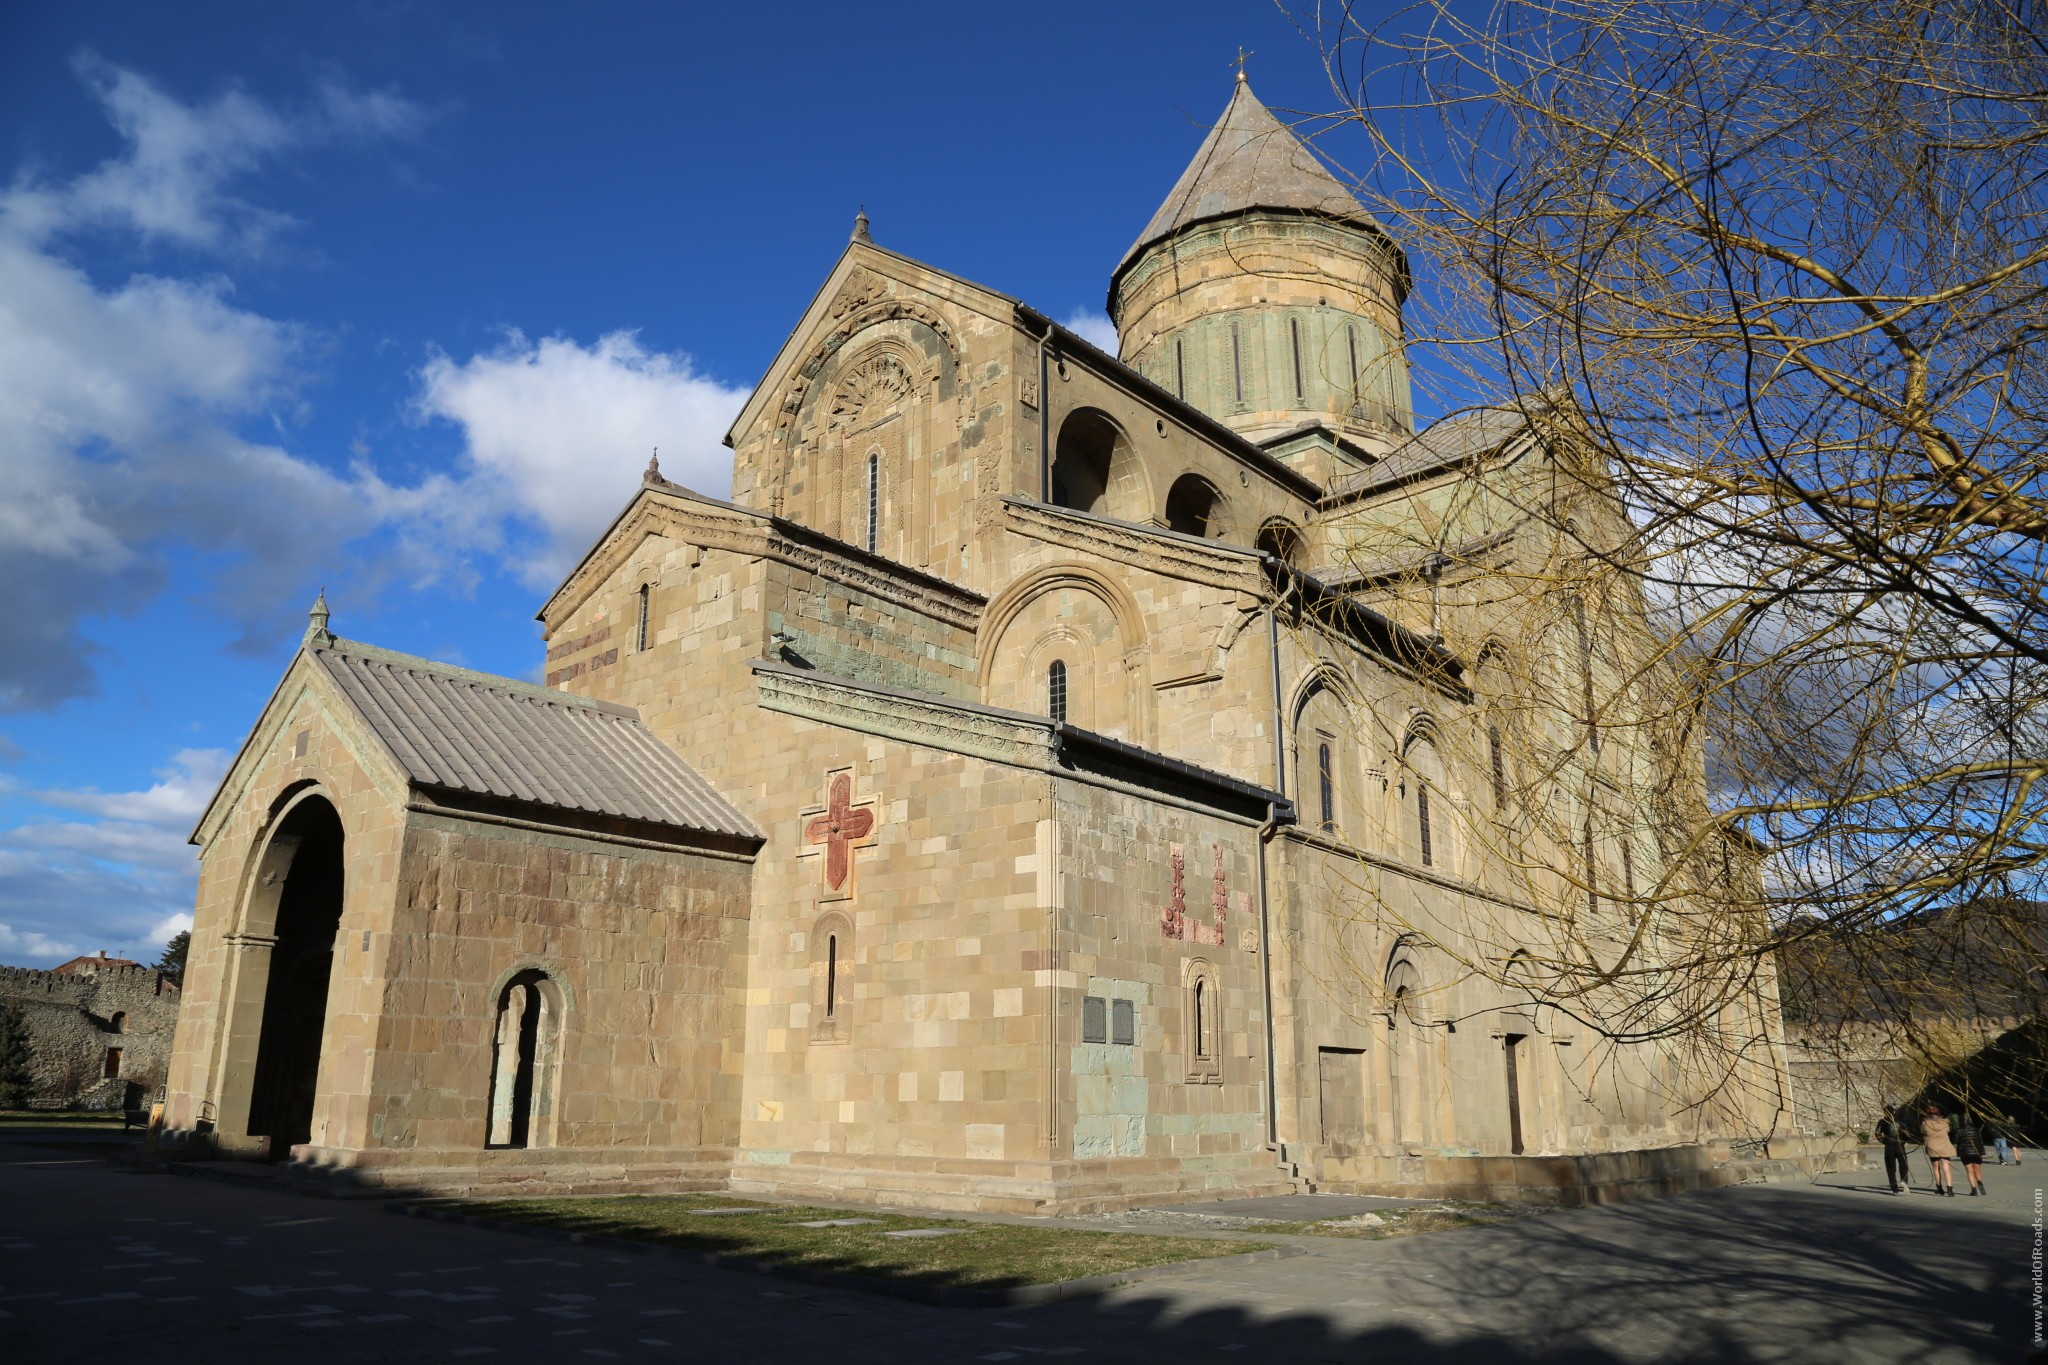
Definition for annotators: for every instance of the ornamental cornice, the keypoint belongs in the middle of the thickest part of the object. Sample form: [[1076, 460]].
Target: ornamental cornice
[[715, 526], [1161, 552], [931, 722]]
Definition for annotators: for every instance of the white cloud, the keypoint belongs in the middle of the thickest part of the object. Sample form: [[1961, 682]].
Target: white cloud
[[170, 182], [123, 881], [120, 403], [175, 802], [556, 435], [38, 949], [1093, 327]]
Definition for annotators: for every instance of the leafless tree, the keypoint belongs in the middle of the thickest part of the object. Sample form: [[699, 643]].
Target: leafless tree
[[1769, 282]]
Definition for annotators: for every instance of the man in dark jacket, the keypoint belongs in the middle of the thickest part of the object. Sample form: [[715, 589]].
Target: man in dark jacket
[[1892, 1132]]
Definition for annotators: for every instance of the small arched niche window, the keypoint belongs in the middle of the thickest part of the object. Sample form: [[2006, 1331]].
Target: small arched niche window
[[831, 973], [1089, 457], [119, 1023], [642, 629], [523, 1061], [1056, 691], [1194, 507], [1282, 539], [1201, 1023]]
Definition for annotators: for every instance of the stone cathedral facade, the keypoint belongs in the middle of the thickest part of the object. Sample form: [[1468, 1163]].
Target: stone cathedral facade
[[966, 814]]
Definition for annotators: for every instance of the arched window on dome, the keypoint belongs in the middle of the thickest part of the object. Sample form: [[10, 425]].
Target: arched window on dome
[[1056, 691]]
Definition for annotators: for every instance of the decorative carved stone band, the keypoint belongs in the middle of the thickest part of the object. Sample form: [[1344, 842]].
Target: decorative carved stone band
[[1232, 569], [721, 526], [981, 732]]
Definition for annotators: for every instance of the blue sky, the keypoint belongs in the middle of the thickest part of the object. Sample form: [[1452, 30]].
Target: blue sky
[[395, 298]]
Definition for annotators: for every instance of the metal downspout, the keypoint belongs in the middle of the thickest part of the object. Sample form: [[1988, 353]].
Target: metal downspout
[[1044, 418], [1272, 823]]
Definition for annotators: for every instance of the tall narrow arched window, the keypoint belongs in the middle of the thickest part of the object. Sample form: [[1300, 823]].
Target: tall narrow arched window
[[1180, 369], [832, 965], [1351, 344], [1585, 633], [1422, 822], [831, 975], [1236, 364], [1326, 780], [1056, 691], [1294, 350], [1201, 1023], [874, 501], [640, 629], [1592, 872], [1500, 768]]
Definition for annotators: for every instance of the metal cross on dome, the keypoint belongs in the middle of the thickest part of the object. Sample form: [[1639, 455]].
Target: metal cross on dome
[[842, 827]]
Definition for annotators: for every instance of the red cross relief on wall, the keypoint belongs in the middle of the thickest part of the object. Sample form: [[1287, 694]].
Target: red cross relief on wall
[[842, 827]]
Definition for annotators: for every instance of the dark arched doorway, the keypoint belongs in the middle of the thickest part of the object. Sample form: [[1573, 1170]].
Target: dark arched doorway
[[295, 998]]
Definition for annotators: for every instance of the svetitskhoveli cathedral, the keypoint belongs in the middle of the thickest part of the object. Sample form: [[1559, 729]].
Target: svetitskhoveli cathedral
[[1054, 781]]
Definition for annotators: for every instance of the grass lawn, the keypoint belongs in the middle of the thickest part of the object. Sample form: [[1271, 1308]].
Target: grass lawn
[[977, 1255]]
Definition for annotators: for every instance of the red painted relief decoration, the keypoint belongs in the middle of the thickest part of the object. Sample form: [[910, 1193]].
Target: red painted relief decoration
[[842, 826], [1174, 921]]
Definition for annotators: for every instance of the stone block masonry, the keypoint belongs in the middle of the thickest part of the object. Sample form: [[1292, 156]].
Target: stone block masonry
[[96, 1039]]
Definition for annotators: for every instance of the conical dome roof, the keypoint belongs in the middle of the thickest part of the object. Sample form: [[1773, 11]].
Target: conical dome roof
[[1250, 160]]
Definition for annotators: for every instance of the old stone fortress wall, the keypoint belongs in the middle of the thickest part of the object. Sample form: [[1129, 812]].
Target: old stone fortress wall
[[99, 1035]]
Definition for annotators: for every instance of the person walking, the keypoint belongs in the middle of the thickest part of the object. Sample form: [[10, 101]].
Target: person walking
[[1941, 1149], [1969, 1140], [2001, 1140], [1891, 1131]]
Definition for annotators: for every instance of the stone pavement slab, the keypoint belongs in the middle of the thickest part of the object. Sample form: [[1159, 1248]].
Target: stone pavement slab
[[1291, 1208], [105, 1266]]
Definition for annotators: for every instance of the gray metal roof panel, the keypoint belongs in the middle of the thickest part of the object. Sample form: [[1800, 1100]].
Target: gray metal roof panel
[[1458, 437], [472, 732]]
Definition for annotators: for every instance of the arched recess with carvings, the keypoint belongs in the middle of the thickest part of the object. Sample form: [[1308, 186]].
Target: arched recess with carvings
[[860, 470], [1082, 618], [1326, 767], [868, 425], [1435, 834], [1412, 1061]]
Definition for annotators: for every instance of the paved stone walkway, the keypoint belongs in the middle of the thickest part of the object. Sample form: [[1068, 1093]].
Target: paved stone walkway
[[96, 1265]]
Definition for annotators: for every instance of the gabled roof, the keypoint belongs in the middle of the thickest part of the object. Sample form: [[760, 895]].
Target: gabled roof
[[455, 730], [1250, 160]]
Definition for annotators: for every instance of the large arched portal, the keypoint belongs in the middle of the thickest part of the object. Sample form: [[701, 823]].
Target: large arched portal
[[295, 997]]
